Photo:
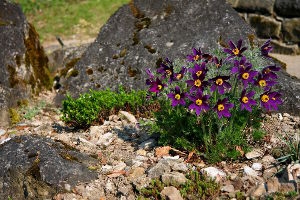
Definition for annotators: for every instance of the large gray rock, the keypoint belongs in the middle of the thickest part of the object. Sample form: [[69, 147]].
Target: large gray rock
[[23, 63], [33, 167], [287, 8], [141, 34]]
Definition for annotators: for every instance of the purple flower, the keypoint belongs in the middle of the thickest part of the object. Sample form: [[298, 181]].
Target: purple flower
[[199, 70], [199, 102], [264, 82], [266, 48], [220, 83], [177, 97], [247, 101], [270, 100], [156, 86], [197, 83], [197, 55], [247, 75], [222, 108], [178, 76], [166, 69], [240, 64], [235, 50], [151, 77], [218, 62], [269, 70]]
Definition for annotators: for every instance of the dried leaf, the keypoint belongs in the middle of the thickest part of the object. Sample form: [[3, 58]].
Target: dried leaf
[[238, 148], [190, 156], [114, 174], [162, 151]]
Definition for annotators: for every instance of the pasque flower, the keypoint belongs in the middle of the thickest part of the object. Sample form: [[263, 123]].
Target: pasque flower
[[199, 102], [270, 100], [235, 50], [222, 108], [266, 48], [246, 75], [199, 70], [177, 97], [247, 101], [151, 77], [156, 86], [238, 64], [178, 76], [264, 82], [197, 83], [166, 69], [220, 83], [269, 70], [218, 63], [197, 55]]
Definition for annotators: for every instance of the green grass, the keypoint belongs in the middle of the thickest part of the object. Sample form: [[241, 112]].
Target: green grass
[[69, 17]]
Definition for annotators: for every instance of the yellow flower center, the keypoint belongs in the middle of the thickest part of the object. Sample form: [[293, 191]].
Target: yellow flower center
[[245, 75], [218, 65], [245, 99], [177, 96], [197, 83], [262, 83], [159, 87], [236, 51], [196, 57], [169, 72], [219, 81], [265, 98], [198, 73], [199, 102], [179, 76], [221, 107]]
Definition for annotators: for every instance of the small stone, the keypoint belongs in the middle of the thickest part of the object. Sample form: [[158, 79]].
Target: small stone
[[293, 171], [123, 190], [129, 117], [110, 186], [259, 191], [136, 172], [273, 185], [2, 132], [141, 152], [171, 193], [106, 139], [280, 116], [228, 188], [120, 166], [257, 166], [96, 131], [173, 178], [148, 144], [181, 167], [249, 171], [68, 187], [255, 153], [158, 170], [106, 168], [214, 173]]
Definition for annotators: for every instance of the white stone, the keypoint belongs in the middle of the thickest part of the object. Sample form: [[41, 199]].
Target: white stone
[[228, 188], [293, 171], [257, 166], [106, 139], [120, 166], [171, 193], [214, 173], [5, 140], [2, 132], [129, 117], [280, 116], [255, 153], [249, 171], [106, 168]]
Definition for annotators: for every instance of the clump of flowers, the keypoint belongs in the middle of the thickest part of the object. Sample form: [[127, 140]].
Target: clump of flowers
[[218, 89]]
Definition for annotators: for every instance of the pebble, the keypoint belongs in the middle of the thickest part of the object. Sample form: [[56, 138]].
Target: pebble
[[148, 144], [171, 193], [214, 173], [255, 153], [257, 166], [228, 188], [249, 171], [106, 139]]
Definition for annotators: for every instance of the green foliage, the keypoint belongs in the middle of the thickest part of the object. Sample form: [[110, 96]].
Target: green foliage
[[68, 17], [83, 111], [198, 186], [30, 112], [292, 151]]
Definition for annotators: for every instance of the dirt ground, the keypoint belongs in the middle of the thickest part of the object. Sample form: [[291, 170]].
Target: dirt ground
[[292, 63]]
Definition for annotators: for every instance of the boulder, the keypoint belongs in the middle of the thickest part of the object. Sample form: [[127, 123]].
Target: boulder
[[23, 63], [254, 6], [265, 27], [33, 167], [139, 35], [291, 30], [143, 33], [287, 8]]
